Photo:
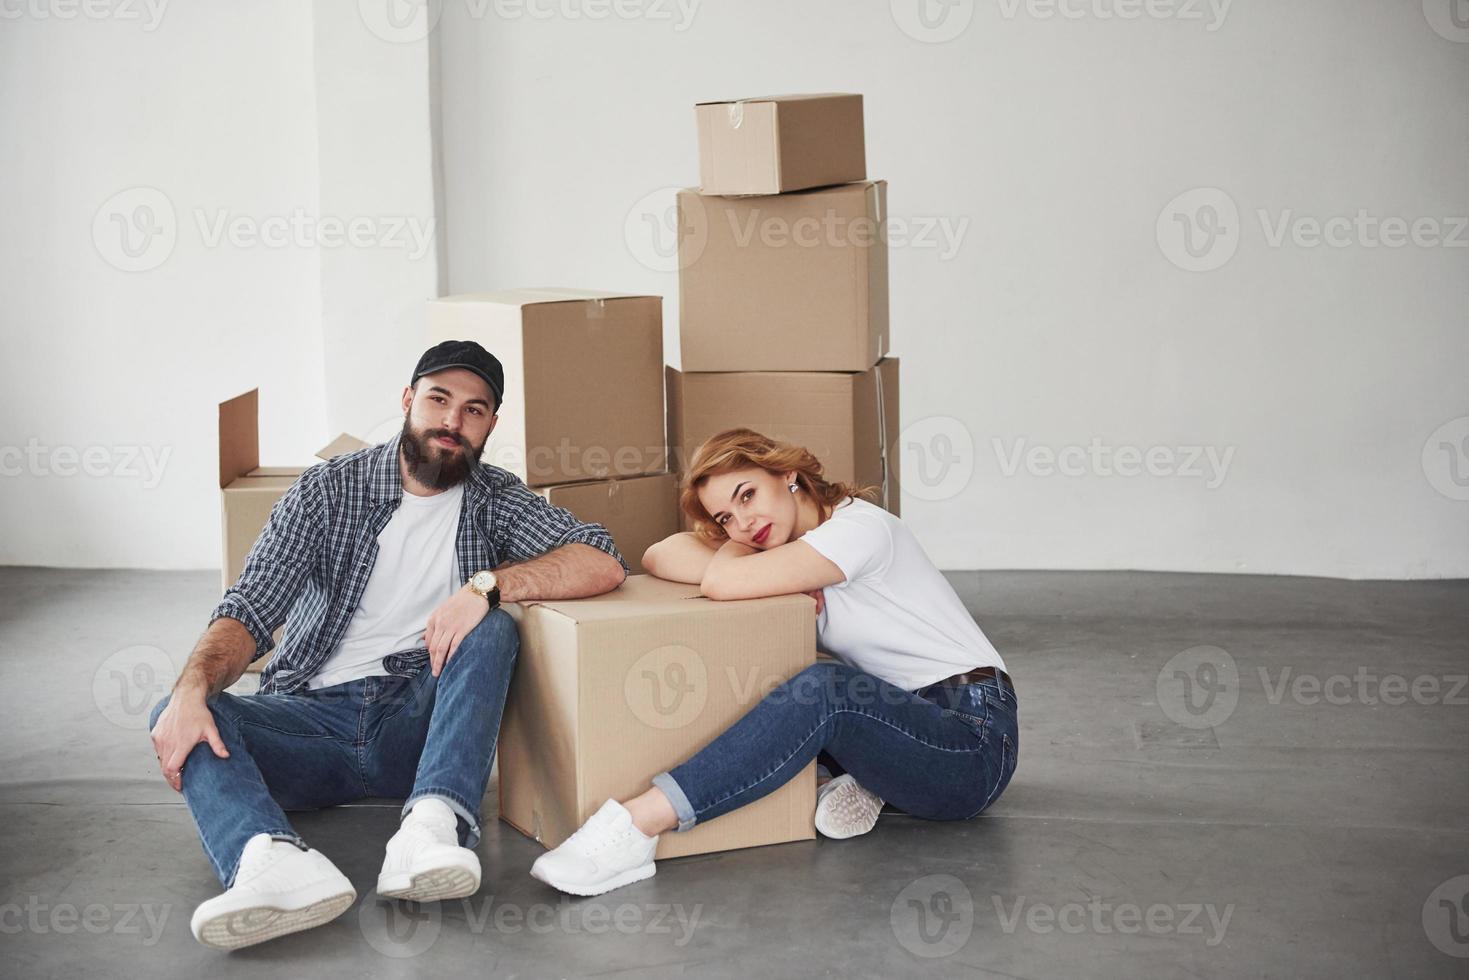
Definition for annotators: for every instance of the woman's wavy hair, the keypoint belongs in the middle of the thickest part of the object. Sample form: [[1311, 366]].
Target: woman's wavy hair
[[739, 449]]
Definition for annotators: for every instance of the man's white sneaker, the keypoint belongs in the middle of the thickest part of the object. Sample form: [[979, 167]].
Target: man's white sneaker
[[278, 889], [424, 862], [844, 809], [606, 853]]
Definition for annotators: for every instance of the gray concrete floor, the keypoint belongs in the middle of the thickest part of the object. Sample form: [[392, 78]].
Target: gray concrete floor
[[1290, 837]]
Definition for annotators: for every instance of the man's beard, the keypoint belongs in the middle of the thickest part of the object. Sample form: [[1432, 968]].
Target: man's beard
[[432, 464]]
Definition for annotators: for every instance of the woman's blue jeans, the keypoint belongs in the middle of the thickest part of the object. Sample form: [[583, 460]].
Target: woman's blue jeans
[[941, 753], [396, 736]]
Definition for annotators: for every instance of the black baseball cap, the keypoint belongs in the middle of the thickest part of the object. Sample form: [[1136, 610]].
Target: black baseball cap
[[463, 354]]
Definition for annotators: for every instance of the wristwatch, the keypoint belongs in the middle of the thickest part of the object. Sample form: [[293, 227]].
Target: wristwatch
[[483, 584]]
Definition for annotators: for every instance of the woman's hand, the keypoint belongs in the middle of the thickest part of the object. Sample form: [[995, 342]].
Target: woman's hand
[[820, 596], [679, 557]]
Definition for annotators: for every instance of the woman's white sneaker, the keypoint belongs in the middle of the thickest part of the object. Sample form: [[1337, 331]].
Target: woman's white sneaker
[[278, 889], [424, 862], [606, 853], [844, 809]]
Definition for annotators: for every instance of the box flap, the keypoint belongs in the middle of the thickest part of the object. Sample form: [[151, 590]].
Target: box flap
[[341, 446], [239, 436], [796, 97], [531, 297]]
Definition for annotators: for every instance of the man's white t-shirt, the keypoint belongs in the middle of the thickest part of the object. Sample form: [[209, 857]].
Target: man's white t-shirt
[[414, 572], [896, 616]]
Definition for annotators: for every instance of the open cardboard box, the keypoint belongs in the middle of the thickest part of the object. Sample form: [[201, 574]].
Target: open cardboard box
[[248, 490]]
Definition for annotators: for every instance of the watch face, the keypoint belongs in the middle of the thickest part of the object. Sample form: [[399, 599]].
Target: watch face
[[484, 581]]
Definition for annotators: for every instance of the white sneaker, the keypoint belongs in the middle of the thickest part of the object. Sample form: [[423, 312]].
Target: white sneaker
[[844, 809], [606, 853], [278, 889], [424, 862]]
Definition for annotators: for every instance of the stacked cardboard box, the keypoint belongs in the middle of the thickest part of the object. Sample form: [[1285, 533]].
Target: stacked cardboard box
[[582, 422], [783, 288]]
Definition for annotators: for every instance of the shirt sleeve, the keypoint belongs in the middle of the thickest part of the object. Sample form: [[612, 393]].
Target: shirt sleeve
[[530, 525], [856, 541], [279, 564]]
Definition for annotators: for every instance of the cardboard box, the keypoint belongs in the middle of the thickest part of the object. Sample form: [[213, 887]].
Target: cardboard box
[[248, 490], [610, 691], [849, 421], [583, 379], [795, 282], [780, 143], [637, 511]]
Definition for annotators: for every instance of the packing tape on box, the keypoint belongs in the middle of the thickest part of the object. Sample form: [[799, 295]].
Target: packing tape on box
[[614, 498], [736, 115], [882, 436], [596, 308]]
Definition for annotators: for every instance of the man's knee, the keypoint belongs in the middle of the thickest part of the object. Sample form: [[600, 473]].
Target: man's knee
[[157, 710], [496, 635]]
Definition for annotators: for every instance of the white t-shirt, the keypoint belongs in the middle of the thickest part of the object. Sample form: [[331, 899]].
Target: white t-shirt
[[414, 572], [896, 616]]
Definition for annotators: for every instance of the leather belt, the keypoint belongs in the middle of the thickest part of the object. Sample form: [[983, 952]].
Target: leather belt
[[977, 675]]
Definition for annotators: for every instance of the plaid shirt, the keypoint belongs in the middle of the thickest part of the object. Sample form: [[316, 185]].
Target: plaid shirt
[[310, 566]]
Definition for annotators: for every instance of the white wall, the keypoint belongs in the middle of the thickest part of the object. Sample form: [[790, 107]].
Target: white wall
[[241, 112], [1059, 319]]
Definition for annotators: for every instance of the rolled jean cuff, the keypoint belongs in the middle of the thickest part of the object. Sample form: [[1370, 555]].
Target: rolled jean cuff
[[471, 837], [681, 807]]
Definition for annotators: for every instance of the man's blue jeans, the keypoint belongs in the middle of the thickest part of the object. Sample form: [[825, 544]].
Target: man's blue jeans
[[941, 753], [395, 736]]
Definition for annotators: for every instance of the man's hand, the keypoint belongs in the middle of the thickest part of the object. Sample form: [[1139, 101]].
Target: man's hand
[[449, 624], [185, 723]]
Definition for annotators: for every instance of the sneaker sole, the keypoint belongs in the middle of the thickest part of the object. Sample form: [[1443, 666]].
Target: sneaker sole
[[601, 888], [256, 924], [433, 885], [847, 811]]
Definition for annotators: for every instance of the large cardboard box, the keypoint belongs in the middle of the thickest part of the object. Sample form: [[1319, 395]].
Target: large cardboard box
[[583, 379], [848, 421], [638, 511], [794, 282], [610, 691], [248, 490], [780, 143]]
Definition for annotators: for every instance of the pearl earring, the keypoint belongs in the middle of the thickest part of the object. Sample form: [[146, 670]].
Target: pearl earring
[[795, 487]]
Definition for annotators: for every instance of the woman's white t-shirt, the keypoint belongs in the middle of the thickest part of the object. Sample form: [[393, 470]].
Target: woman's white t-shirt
[[896, 616]]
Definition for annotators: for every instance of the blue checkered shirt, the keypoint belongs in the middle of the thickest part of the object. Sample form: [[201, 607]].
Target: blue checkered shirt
[[310, 566]]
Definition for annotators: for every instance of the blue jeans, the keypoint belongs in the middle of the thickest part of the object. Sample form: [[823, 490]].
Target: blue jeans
[[941, 753], [397, 736]]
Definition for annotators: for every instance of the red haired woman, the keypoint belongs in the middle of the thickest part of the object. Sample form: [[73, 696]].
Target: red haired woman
[[916, 707]]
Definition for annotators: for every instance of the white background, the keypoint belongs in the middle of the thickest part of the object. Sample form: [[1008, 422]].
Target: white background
[[542, 137]]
